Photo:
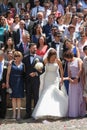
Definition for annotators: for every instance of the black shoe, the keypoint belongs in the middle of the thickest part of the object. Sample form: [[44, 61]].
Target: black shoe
[[27, 116], [2, 117]]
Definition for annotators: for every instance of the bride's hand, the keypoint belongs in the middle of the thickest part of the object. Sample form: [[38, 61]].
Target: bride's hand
[[61, 82]]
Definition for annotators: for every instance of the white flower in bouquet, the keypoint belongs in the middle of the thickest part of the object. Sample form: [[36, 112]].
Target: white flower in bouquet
[[39, 66]]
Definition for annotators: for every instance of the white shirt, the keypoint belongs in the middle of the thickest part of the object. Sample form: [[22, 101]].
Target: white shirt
[[84, 5], [27, 22], [2, 66], [21, 32], [57, 48]]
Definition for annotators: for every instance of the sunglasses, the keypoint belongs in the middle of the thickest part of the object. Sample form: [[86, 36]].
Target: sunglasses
[[17, 56]]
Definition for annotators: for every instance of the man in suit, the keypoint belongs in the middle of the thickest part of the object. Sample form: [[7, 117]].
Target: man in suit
[[50, 38], [23, 46], [32, 80], [58, 45], [20, 31], [28, 23], [4, 7], [40, 19], [3, 71], [36, 9], [48, 27]]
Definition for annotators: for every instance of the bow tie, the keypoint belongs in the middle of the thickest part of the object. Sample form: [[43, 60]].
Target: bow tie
[[31, 55], [57, 43]]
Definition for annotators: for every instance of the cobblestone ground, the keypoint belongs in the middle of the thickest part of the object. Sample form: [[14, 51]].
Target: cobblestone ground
[[61, 124]]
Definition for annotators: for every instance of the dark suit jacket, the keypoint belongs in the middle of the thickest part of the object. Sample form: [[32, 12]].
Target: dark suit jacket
[[29, 68], [61, 48], [3, 10], [19, 47], [4, 72], [16, 36], [30, 27]]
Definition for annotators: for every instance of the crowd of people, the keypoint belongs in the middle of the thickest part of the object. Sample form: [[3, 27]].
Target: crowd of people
[[43, 52]]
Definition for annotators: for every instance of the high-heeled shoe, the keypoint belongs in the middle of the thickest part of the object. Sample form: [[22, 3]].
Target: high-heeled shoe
[[14, 116], [18, 117]]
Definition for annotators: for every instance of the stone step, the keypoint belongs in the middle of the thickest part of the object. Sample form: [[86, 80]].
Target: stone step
[[9, 113]]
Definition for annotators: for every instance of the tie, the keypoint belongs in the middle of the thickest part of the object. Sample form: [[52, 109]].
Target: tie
[[22, 32], [0, 71], [37, 9], [24, 47]]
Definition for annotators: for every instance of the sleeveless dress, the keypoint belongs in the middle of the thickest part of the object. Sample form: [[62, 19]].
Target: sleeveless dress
[[76, 103], [53, 102], [42, 51], [17, 80], [66, 82]]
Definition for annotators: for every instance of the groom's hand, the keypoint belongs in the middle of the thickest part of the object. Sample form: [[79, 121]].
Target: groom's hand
[[33, 74]]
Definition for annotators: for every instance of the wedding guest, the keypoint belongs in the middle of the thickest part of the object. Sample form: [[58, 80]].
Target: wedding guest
[[28, 23], [58, 45], [76, 102], [41, 46], [53, 99], [59, 6], [15, 24], [3, 71], [36, 9], [23, 46], [4, 29], [9, 18], [85, 73], [37, 33], [15, 80], [82, 42], [9, 46], [68, 45], [17, 35], [4, 7], [28, 7]]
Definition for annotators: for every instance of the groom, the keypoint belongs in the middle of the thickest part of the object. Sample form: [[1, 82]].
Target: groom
[[32, 80]]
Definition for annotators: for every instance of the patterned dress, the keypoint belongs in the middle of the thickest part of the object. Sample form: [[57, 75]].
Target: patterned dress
[[85, 70], [76, 103]]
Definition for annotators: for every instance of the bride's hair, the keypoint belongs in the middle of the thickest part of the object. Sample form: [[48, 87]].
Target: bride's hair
[[51, 53]]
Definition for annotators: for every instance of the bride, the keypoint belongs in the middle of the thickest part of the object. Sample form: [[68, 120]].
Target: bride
[[53, 99]]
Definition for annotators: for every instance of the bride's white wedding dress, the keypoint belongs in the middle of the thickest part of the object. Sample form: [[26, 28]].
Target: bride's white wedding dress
[[52, 102]]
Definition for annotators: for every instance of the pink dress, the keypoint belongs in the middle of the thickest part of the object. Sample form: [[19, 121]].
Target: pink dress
[[42, 51], [76, 103]]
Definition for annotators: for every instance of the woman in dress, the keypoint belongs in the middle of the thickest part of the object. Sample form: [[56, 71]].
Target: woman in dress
[[41, 46], [68, 45], [76, 103], [15, 80], [15, 24], [53, 100], [37, 33], [85, 74], [9, 46], [81, 44]]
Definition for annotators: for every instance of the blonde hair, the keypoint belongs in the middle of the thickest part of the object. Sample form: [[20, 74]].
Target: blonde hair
[[18, 53]]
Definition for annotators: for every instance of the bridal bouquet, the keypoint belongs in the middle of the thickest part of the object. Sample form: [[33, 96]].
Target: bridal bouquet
[[38, 65]]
